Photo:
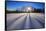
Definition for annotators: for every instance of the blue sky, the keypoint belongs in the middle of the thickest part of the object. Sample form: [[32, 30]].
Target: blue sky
[[14, 5]]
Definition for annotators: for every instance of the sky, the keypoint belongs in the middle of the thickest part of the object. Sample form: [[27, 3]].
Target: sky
[[13, 5]]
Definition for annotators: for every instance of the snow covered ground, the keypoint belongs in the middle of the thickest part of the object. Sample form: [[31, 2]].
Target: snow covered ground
[[19, 21]]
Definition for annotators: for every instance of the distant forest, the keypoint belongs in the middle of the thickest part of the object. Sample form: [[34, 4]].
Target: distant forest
[[35, 11]]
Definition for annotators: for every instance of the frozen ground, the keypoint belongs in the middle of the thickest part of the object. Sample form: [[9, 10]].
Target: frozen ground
[[19, 21]]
